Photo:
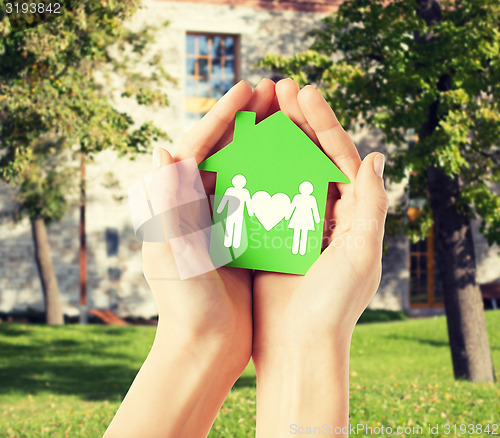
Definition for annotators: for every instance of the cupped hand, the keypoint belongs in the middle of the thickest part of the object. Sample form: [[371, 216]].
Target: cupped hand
[[217, 304], [324, 305]]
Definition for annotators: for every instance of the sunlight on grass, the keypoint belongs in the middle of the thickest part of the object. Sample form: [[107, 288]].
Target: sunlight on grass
[[68, 381]]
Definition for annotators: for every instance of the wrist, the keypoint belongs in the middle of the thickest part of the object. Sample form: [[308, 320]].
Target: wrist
[[302, 357], [180, 387], [224, 352], [297, 346], [302, 385]]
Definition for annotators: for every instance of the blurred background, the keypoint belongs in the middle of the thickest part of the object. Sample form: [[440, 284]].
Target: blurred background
[[83, 94]]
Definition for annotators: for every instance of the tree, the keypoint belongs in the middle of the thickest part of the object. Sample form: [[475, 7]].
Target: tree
[[56, 103], [431, 68]]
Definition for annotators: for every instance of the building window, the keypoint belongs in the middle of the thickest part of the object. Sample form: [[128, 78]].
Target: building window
[[211, 70], [112, 242], [425, 282]]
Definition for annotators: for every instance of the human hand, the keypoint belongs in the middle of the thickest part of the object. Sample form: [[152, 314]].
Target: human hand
[[303, 324], [329, 299], [204, 336], [219, 301]]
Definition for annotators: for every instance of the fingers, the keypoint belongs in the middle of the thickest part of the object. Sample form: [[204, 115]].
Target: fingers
[[161, 187], [176, 244], [371, 204], [335, 142], [205, 134], [153, 252], [161, 157], [274, 107], [260, 103], [262, 99], [286, 92]]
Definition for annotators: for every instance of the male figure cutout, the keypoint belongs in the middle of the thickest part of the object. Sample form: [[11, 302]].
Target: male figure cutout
[[236, 198]]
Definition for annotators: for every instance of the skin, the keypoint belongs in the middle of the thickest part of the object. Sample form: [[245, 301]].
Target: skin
[[204, 336], [298, 328], [303, 324]]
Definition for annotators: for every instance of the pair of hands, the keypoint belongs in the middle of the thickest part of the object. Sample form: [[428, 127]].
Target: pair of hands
[[282, 309], [264, 313], [296, 328]]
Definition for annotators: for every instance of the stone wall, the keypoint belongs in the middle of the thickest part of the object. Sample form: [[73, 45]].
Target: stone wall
[[116, 281], [261, 31]]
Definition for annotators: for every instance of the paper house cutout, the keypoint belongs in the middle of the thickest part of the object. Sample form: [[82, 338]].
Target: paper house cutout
[[270, 196]]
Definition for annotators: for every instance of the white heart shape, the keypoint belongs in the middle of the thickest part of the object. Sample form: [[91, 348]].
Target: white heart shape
[[270, 210]]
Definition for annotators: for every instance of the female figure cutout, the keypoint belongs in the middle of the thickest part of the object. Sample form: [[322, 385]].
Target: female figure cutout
[[302, 212]]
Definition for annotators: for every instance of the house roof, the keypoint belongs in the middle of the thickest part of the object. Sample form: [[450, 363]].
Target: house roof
[[276, 145]]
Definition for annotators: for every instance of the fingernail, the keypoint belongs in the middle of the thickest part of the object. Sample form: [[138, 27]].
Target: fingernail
[[156, 158], [378, 165]]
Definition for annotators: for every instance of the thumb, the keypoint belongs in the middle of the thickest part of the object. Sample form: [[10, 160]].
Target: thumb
[[371, 203], [161, 157], [162, 184], [160, 187]]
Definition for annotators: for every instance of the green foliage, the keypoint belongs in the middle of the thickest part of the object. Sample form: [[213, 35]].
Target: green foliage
[[381, 315], [69, 381], [379, 64], [57, 97]]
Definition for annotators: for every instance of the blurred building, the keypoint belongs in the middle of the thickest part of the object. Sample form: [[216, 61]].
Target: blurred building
[[208, 46]]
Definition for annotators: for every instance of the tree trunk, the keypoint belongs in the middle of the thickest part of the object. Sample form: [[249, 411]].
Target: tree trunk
[[53, 310], [83, 245], [470, 349]]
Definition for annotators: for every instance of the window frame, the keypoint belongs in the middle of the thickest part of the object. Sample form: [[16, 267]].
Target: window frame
[[200, 104], [431, 276]]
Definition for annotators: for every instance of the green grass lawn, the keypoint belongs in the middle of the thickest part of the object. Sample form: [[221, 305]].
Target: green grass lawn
[[68, 381]]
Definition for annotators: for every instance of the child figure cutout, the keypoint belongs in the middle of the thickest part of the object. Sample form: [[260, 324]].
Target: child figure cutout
[[304, 213], [236, 198]]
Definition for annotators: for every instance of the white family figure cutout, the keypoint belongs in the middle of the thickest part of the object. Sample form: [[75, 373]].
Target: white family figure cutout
[[302, 212], [236, 198], [269, 242]]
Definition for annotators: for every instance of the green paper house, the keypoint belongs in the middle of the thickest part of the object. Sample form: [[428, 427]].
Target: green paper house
[[270, 196]]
